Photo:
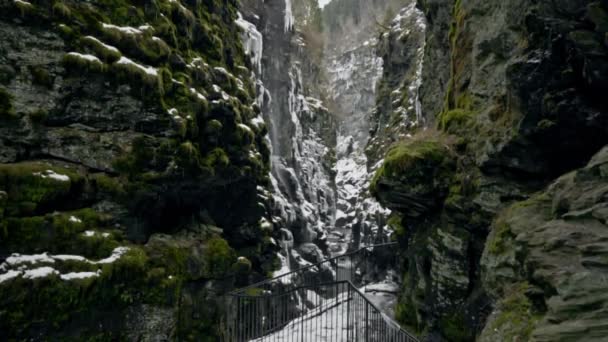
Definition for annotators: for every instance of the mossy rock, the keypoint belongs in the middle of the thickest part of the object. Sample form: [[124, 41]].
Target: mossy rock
[[453, 328], [37, 187], [219, 258], [108, 53], [79, 62], [41, 76], [406, 313], [6, 104], [515, 316], [414, 177], [455, 120], [598, 16], [28, 302], [588, 42], [60, 233]]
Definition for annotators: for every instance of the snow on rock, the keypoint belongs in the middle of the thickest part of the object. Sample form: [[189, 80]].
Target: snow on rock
[[104, 45], [116, 254], [9, 275], [22, 2], [80, 275], [17, 259], [281, 272], [66, 257], [75, 219], [124, 29], [92, 233], [289, 20], [52, 175], [253, 42], [21, 262], [40, 272], [146, 69]]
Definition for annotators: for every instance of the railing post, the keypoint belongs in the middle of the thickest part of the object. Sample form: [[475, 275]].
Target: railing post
[[348, 311], [366, 322], [302, 323]]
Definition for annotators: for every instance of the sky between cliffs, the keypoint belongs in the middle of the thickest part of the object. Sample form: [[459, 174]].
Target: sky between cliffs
[[322, 3]]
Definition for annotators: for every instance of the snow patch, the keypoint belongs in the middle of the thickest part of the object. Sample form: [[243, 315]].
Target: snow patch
[[146, 69], [40, 272], [124, 29], [80, 275], [106, 46], [253, 42], [9, 275]]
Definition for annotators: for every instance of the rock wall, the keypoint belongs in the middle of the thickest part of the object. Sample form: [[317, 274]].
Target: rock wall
[[510, 91], [132, 151]]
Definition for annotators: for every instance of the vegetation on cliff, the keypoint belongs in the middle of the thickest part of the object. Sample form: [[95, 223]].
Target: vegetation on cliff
[[520, 113], [130, 167]]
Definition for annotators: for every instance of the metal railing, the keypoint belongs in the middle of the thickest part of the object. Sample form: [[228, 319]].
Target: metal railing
[[319, 302]]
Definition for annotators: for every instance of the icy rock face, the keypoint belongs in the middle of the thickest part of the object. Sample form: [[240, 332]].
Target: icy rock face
[[353, 73], [352, 82], [399, 110], [305, 188], [301, 130]]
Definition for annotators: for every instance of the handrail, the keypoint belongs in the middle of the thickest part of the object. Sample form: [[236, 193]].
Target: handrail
[[384, 317], [372, 313], [345, 282], [301, 269], [274, 307]]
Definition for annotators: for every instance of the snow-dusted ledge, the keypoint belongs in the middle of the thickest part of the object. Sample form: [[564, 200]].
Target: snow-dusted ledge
[[16, 265]]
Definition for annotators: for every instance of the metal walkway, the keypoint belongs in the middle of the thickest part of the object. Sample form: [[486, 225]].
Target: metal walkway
[[316, 303]]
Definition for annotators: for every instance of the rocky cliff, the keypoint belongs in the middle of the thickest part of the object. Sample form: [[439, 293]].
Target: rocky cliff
[[500, 196], [132, 153]]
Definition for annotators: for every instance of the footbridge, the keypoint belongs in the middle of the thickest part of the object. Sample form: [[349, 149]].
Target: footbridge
[[318, 302]]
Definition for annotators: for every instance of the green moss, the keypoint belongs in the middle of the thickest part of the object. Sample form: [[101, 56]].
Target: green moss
[[217, 158], [501, 231], [242, 266], [58, 233], [134, 74], [32, 187], [39, 115], [395, 221], [188, 157], [455, 120], [66, 32], [458, 48], [24, 7], [3, 199], [214, 128], [545, 124], [453, 328], [108, 185], [41, 76], [409, 159], [406, 313], [61, 10], [106, 53], [516, 317], [245, 135], [78, 63], [6, 104], [219, 258], [140, 157]]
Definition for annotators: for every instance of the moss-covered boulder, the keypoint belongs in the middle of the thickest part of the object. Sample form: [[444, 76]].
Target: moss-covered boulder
[[38, 187], [414, 177]]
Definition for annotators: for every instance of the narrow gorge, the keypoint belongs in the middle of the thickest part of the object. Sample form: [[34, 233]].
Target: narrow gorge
[[445, 160]]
